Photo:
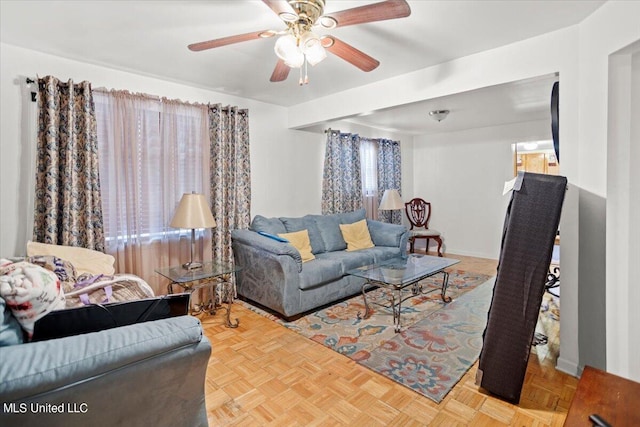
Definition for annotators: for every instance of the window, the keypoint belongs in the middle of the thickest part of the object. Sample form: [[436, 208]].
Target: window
[[151, 152], [381, 170], [369, 166]]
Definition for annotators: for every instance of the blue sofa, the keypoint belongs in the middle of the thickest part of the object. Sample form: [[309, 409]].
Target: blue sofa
[[147, 374], [274, 276]]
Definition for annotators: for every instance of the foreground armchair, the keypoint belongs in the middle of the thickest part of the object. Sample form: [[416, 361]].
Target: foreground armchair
[[147, 374]]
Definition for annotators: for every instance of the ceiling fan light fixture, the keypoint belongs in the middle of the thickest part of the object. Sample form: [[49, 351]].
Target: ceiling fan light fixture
[[267, 34], [328, 22], [287, 49], [312, 48], [316, 54], [439, 115], [308, 40], [288, 16]]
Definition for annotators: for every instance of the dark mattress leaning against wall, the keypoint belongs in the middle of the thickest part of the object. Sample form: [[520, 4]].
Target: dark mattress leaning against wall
[[530, 227]]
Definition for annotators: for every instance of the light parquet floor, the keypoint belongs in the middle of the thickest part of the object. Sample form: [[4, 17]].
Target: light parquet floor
[[262, 374]]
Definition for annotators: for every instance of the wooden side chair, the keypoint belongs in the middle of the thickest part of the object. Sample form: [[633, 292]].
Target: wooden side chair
[[419, 213]]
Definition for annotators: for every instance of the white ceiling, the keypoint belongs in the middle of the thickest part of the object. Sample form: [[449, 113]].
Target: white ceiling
[[151, 38]]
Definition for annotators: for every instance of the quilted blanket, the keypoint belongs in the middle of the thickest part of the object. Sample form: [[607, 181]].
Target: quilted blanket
[[105, 289], [93, 289]]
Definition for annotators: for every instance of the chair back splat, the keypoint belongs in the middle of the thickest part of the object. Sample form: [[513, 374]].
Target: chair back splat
[[419, 213]]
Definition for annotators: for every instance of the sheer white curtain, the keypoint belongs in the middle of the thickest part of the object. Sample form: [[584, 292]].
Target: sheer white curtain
[[369, 167], [152, 151]]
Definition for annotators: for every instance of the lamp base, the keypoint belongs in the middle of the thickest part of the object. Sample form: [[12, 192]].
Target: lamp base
[[191, 265]]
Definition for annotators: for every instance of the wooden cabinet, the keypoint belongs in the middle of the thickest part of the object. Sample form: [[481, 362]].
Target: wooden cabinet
[[539, 162], [614, 398]]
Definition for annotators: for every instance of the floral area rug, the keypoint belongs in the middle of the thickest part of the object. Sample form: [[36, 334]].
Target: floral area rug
[[438, 342]]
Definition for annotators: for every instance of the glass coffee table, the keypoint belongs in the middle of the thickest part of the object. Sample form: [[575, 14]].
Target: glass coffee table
[[401, 279]]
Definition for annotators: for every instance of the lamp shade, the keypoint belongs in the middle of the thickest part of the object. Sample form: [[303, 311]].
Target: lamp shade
[[193, 212], [391, 200]]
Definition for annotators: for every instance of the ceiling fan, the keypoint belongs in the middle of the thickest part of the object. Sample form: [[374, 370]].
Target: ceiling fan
[[298, 45]]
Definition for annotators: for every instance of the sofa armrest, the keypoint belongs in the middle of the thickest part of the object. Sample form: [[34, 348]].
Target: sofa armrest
[[255, 240], [384, 234], [150, 373]]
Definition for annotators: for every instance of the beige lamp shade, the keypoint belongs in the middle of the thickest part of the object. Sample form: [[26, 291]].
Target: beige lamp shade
[[193, 212], [391, 201]]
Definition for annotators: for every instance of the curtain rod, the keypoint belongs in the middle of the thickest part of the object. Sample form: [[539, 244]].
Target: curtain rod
[[34, 95]]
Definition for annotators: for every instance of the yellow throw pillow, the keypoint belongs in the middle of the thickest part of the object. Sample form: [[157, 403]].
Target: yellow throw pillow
[[83, 259], [300, 240], [356, 235]]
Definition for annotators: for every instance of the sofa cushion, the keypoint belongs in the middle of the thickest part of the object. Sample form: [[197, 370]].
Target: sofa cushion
[[329, 228], [10, 330], [319, 271], [384, 253], [300, 241], [384, 234], [306, 223], [351, 217], [350, 260], [356, 235], [268, 225]]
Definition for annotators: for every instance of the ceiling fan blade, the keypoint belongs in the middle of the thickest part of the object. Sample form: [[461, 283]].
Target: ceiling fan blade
[[281, 72], [196, 47], [279, 6], [390, 9], [350, 53]]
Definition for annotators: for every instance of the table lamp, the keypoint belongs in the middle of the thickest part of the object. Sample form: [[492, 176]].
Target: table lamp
[[391, 201], [193, 212]]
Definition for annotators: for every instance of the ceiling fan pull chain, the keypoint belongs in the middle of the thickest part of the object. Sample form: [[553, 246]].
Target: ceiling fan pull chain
[[300, 82], [306, 75]]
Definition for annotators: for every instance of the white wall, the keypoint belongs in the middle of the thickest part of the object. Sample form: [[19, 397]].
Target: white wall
[[286, 173], [612, 27], [623, 209], [462, 174]]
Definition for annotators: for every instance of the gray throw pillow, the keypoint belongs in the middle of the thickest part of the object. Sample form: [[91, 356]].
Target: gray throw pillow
[[306, 223], [329, 227], [268, 225], [351, 217]]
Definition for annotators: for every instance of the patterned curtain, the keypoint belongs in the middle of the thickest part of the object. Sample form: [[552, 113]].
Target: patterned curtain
[[68, 209], [230, 176], [341, 182], [389, 176]]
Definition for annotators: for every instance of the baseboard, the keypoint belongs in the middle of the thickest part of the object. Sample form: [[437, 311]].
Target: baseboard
[[471, 254], [568, 367]]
